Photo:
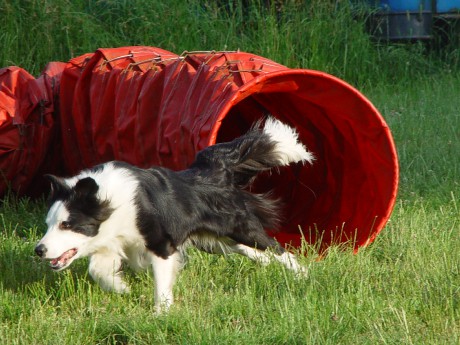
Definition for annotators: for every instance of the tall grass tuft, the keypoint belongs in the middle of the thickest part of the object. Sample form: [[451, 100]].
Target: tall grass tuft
[[325, 35]]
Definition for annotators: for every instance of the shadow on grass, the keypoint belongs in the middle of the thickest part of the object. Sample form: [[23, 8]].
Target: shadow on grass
[[20, 269]]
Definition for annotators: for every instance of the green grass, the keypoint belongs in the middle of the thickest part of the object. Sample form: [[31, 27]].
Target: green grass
[[425, 122], [403, 289], [325, 35]]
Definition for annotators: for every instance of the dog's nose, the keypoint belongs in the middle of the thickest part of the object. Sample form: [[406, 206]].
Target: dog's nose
[[40, 250]]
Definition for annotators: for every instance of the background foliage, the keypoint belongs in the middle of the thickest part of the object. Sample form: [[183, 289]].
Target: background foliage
[[325, 35]]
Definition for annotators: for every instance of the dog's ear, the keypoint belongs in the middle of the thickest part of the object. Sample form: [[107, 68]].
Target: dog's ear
[[58, 187], [86, 187], [87, 201]]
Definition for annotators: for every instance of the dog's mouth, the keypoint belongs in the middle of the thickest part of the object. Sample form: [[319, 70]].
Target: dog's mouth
[[64, 260]]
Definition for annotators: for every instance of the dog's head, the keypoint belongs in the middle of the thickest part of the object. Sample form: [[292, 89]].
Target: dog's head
[[74, 217]]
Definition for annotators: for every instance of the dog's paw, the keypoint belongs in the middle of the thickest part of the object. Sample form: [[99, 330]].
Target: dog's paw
[[121, 287], [113, 284], [301, 271], [162, 307]]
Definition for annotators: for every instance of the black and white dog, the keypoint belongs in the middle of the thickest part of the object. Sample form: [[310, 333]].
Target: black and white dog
[[118, 213]]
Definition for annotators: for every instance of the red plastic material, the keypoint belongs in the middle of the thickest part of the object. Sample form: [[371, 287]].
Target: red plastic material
[[148, 106], [27, 127]]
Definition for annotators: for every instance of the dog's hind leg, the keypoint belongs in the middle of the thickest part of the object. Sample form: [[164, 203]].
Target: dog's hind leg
[[165, 272], [266, 256], [264, 253], [260, 247], [105, 269], [290, 261]]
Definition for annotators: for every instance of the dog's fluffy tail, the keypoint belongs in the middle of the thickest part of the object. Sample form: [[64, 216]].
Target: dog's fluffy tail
[[287, 149], [274, 145]]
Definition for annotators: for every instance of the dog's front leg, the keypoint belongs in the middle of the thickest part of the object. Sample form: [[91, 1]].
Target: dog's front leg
[[165, 272], [105, 269]]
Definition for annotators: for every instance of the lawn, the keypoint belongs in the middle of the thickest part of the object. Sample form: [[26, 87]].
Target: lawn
[[402, 289]]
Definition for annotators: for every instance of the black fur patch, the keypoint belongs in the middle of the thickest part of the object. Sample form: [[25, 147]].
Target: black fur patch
[[208, 198], [87, 212], [59, 189]]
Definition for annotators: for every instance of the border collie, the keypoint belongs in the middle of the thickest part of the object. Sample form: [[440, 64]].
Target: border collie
[[115, 212]]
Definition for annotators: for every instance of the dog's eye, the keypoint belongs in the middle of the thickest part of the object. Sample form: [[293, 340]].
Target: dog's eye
[[65, 225], [79, 229]]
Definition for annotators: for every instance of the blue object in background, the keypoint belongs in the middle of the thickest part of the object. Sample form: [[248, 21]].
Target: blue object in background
[[443, 6], [440, 6], [406, 5], [399, 20]]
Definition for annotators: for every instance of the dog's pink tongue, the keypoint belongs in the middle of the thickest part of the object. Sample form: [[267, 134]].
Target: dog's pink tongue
[[64, 257], [70, 253]]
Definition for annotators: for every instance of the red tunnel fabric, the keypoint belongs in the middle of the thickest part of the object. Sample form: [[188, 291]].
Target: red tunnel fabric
[[27, 128], [148, 106]]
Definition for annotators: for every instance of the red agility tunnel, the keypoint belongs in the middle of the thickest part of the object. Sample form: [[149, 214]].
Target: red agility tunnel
[[148, 106], [27, 131]]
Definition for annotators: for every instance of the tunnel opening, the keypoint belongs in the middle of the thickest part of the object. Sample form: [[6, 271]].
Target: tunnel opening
[[348, 193]]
